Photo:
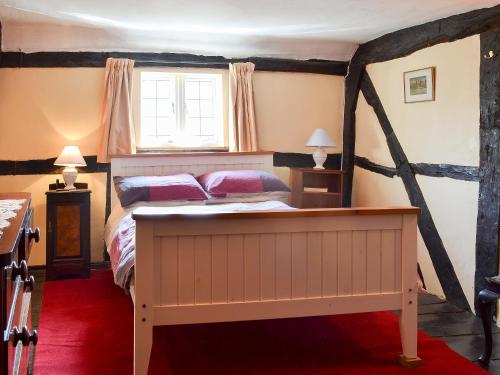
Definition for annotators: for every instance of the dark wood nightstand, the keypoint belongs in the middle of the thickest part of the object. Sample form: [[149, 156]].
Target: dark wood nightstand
[[68, 233], [316, 188]]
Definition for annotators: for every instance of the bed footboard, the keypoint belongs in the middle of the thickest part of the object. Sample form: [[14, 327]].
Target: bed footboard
[[267, 265]]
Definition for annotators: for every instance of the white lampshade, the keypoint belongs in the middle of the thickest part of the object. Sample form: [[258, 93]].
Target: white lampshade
[[70, 156], [320, 138]]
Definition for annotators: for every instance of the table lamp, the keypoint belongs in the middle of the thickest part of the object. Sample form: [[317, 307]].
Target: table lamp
[[70, 157], [320, 139]]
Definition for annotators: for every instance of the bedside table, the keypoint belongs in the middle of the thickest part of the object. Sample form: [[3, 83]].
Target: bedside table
[[316, 188], [68, 233]]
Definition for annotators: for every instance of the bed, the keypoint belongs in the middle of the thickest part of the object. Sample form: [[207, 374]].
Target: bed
[[203, 265]]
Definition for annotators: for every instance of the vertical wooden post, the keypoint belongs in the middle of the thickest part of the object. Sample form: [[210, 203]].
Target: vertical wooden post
[[488, 212], [352, 86], [408, 318], [144, 287]]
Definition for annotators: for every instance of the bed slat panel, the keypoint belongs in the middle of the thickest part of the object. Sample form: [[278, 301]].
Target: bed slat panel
[[299, 265], [186, 270], [374, 259], [388, 280], [314, 264], [330, 263], [253, 267], [203, 269], [235, 268], [219, 269], [169, 266], [359, 262], [398, 259], [268, 266], [345, 263], [251, 244], [283, 266]]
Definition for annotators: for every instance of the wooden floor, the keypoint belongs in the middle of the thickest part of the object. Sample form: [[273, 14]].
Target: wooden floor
[[460, 329]]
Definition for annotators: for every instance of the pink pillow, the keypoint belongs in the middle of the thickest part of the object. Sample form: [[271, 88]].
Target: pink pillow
[[220, 183], [158, 188]]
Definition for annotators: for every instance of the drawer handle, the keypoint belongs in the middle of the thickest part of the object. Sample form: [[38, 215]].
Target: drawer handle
[[34, 234], [24, 336], [21, 270], [29, 284]]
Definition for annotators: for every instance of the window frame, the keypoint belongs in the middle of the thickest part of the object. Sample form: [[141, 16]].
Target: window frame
[[181, 75]]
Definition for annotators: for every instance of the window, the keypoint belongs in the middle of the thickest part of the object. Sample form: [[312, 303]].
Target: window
[[182, 110]]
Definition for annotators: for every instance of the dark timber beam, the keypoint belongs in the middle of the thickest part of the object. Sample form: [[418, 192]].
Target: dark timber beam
[[98, 60], [456, 172], [406, 41], [298, 160], [488, 217], [439, 256], [373, 167], [352, 83], [46, 166]]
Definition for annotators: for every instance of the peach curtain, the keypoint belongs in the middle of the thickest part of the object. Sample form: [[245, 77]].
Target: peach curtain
[[117, 136], [243, 129]]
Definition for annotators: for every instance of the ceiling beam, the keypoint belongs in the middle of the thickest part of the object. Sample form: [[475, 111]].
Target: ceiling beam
[[406, 41], [98, 60]]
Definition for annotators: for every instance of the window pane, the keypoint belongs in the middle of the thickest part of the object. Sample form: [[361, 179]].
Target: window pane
[[163, 89], [192, 108], [193, 126], [192, 89], [148, 107], [206, 89], [207, 126], [164, 107], [148, 126], [165, 125], [206, 108], [148, 89]]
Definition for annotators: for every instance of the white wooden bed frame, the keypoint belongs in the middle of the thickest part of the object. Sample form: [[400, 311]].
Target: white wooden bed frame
[[267, 265]]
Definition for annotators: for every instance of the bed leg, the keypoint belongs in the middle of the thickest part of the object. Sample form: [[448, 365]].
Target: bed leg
[[408, 330], [143, 341]]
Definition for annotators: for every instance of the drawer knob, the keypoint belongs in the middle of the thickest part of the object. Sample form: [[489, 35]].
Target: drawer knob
[[21, 270], [29, 284], [34, 234], [24, 336]]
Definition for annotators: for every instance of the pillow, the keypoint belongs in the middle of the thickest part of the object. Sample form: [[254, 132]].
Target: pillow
[[158, 188], [221, 183]]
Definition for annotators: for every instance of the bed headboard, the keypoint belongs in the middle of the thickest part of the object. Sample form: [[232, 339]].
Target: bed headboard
[[197, 164]]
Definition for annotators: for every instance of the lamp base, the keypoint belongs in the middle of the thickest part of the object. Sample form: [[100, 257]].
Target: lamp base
[[69, 176], [319, 157]]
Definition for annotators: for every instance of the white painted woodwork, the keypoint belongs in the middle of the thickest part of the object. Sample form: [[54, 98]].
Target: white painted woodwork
[[215, 269], [254, 273]]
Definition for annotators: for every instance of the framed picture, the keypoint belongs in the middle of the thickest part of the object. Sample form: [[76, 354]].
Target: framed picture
[[419, 85]]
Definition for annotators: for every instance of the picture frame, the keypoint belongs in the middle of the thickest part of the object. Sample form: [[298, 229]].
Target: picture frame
[[419, 85]]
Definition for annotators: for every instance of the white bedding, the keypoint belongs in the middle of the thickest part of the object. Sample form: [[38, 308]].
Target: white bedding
[[120, 228]]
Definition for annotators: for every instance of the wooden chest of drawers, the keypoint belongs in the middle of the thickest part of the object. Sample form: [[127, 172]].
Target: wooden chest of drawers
[[16, 285]]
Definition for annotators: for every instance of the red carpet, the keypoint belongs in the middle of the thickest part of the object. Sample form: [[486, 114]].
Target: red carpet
[[86, 328]]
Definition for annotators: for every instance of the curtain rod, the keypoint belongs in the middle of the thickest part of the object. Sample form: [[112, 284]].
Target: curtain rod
[[182, 62]]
